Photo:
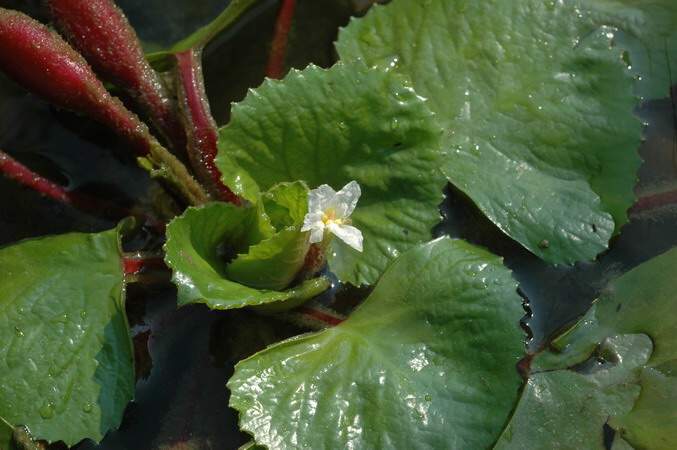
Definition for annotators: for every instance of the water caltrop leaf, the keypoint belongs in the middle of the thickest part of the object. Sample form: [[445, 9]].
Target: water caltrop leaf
[[537, 109], [65, 352], [197, 249], [648, 30], [428, 361], [335, 126], [616, 366]]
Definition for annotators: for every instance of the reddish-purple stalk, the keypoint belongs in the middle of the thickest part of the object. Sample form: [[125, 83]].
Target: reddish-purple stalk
[[135, 263], [278, 51], [42, 62], [14, 170], [100, 31], [201, 129]]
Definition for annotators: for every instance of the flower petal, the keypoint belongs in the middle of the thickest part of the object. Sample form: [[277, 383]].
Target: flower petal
[[346, 199], [348, 234], [321, 198], [311, 220], [317, 234]]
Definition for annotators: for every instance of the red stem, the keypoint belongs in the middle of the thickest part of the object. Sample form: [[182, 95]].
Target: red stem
[[654, 201], [14, 170], [135, 263], [201, 129], [321, 316], [278, 49]]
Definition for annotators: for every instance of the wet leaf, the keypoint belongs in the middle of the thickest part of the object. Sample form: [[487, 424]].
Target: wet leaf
[[65, 351], [616, 366], [202, 242], [428, 361], [273, 263], [334, 126], [648, 30], [537, 110]]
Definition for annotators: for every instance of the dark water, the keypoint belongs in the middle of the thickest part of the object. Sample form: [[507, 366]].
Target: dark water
[[181, 394]]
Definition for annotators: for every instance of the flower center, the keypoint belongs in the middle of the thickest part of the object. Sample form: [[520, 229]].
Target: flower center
[[329, 216]]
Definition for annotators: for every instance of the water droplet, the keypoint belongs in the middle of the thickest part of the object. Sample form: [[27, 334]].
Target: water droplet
[[19, 332], [47, 410], [428, 398], [83, 314], [87, 407]]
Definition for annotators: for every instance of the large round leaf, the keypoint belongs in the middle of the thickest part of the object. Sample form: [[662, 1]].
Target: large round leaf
[[616, 367], [65, 354], [538, 112], [428, 361], [334, 126]]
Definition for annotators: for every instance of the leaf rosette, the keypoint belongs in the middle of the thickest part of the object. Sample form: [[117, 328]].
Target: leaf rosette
[[228, 256]]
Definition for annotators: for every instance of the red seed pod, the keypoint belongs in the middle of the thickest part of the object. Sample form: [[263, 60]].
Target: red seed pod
[[42, 62], [100, 31]]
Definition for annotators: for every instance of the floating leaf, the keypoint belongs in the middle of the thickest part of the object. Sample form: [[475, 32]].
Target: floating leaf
[[198, 246], [538, 112], [65, 353], [649, 33], [428, 361], [604, 371], [334, 126]]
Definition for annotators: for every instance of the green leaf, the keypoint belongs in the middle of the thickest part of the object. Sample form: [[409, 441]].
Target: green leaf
[[603, 370], [65, 353], [274, 262], [649, 33], [201, 37], [197, 249], [428, 361], [538, 112], [334, 126]]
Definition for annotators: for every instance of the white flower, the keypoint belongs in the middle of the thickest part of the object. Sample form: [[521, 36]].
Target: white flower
[[330, 210]]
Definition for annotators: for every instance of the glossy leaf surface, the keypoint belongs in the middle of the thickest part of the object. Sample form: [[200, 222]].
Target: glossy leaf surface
[[616, 366], [428, 361], [536, 106], [199, 245], [65, 354], [273, 263], [334, 126], [648, 30]]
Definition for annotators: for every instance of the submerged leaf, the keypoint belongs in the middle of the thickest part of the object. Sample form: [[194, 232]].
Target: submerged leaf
[[334, 126], [65, 353], [616, 366], [537, 109], [428, 361]]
